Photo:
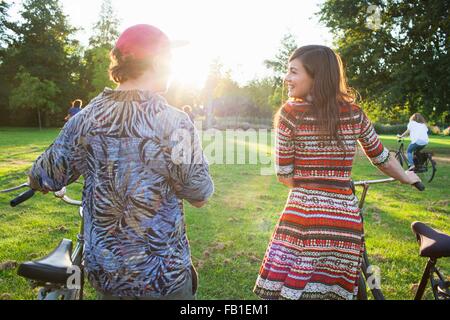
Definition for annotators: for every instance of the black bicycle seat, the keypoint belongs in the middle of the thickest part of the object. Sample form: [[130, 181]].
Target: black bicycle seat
[[433, 244], [51, 269]]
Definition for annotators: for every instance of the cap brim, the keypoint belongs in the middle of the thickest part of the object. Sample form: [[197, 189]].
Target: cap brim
[[178, 43]]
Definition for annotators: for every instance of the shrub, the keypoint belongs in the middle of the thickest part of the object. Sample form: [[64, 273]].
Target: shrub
[[390, 129], [435, 130], [446, 132]]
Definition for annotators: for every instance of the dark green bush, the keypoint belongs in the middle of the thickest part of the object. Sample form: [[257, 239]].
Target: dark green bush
[[390, 129]]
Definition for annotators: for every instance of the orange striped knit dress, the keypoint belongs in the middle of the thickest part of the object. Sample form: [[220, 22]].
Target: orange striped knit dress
[[316, 249]]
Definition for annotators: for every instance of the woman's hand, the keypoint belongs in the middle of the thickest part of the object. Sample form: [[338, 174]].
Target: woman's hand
[[412, 177]]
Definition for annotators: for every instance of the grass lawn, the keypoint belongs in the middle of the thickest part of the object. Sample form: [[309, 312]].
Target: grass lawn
[[228, 236]]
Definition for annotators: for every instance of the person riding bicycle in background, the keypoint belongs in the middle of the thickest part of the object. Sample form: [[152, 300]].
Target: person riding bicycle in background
[[140, 157], [418, 131], [76, 107]]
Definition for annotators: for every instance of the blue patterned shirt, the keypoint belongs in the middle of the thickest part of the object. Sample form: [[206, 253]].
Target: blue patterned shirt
[[139, 158]]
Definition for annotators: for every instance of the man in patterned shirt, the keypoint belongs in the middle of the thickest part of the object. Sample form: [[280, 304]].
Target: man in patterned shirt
[[140, 158]]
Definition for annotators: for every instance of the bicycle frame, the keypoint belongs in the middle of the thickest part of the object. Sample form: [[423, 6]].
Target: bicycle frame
[[400, 154], [430, 268], [50, 291], [377, 293]]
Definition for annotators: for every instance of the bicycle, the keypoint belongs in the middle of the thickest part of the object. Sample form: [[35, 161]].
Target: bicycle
[[432, 245], [424, 165], [55, 273]]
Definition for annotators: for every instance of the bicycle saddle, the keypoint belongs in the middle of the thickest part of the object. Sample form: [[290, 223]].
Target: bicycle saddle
[[52, 268], [433, 244]]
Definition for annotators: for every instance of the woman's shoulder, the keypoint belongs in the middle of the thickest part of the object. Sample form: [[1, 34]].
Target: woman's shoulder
[[296, 105], [351, 106]]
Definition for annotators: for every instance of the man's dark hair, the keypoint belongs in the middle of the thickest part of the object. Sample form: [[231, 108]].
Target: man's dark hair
[[122, 68]]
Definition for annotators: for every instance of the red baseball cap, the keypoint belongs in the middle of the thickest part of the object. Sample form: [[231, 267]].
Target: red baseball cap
[[143, 40]]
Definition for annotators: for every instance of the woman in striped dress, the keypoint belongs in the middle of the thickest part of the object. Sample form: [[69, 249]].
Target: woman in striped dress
[[317, 246]]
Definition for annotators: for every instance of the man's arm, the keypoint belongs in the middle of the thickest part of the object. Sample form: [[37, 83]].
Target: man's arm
[[60, 164], [188, 167]]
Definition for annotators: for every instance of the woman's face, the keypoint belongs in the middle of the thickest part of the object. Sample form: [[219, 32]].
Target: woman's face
[[298, 81]]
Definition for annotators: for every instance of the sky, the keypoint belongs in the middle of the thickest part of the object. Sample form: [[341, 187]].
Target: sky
[[240, 33]]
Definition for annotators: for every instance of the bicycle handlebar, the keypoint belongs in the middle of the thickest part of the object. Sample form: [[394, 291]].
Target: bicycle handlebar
[[70, 201], [24, 196], [419, 185]]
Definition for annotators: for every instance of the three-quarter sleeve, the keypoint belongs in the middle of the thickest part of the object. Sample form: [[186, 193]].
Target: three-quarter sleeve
[[371, 143], [188, 167], [284, 143], [61, 163]]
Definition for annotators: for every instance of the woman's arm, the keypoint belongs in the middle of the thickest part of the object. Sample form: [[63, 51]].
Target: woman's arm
[[393, 169], [404, 134]]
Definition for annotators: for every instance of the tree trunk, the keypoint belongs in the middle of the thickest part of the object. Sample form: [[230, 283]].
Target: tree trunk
[[39, 119]]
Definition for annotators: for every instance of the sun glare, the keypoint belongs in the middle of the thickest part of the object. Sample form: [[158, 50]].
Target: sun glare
[[188, 65]]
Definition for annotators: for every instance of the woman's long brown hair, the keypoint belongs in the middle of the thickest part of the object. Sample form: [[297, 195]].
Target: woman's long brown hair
[[329, 90], [417, 117]]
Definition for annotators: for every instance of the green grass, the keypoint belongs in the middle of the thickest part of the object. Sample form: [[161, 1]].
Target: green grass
[[228, 236]]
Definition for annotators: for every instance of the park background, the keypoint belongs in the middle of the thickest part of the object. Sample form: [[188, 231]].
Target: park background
[[396, 57]]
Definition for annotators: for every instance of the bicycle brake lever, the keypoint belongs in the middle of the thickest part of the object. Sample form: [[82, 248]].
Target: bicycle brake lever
[[61, 193], [24, 185]]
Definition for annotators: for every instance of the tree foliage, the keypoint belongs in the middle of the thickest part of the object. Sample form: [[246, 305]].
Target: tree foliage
[[42, 46], [96, 58], [396, 52], [33, 93], [106, 30]]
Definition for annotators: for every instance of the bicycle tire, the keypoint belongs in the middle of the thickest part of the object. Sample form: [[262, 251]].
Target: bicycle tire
[[428, 170], [362, 288], [376, 293], [401, 160], [433, 169], [74, 294]]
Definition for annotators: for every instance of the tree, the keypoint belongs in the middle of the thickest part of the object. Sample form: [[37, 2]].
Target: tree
[[4, 7], [279, 66], [96, 58], [106, 30], [33, 93], [95, 71], [279, 63], [396, 52], [260, 91], [45, 49]]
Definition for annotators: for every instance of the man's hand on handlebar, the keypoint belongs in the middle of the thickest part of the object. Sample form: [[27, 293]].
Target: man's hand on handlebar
[[35, 186]]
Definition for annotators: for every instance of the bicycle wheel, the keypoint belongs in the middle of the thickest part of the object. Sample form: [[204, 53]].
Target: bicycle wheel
[[74, 294], [427, 170], [362, 288], [402, 160], [376, 293]]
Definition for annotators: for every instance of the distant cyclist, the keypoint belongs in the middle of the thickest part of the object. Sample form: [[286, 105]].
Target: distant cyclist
[[418, 131]]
